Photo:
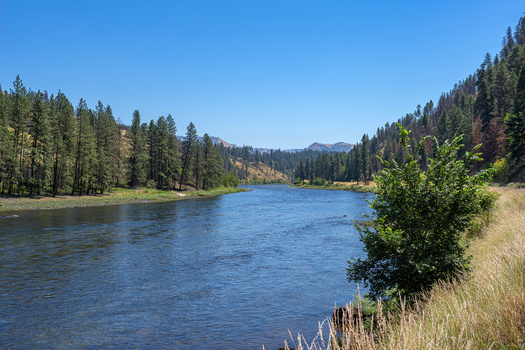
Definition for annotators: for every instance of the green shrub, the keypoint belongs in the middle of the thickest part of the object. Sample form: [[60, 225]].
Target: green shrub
[[318, 181], [230, 180], [420, 216], [501, 170]]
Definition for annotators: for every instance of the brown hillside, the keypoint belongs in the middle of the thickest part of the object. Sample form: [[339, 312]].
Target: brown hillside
[[258, 171]]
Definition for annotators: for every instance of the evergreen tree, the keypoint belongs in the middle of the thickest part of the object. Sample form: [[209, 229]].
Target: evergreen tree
[[515, 123], [213, 171], [40, 171], [162, 153], [107, 137], [62, 131], [138, 157], [20, 108], [299, 171], [483, 106], [7, 150], [502, 92], [173, 153], [198, 164], [365, 158], [307, 169], [153, 142], [188, 146], [519, 34], [442, 134], [357, 166], [85, 170]]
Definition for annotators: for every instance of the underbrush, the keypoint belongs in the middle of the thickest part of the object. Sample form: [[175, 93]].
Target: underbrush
[[484, 311]]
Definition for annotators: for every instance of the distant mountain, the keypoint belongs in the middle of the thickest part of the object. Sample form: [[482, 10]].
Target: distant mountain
[[326, 147], [217, 140], [214, 139], [316, 146]]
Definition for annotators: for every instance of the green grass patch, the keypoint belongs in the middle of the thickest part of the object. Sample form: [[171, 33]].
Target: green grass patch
[[113, 197]]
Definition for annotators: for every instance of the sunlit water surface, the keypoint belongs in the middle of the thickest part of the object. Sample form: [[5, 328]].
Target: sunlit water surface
[[231, 272]]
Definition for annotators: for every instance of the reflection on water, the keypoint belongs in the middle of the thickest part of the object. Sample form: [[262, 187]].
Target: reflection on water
[[235, 271]]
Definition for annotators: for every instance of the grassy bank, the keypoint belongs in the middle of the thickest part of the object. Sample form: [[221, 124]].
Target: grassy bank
[[484, 311], [116, 196], [341, 186]]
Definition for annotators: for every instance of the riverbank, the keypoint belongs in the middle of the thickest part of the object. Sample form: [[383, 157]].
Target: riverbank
[[486, 310], [341, 186], [114, 197]]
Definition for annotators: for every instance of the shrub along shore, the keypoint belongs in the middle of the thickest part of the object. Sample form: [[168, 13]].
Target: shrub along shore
[[116, 196], [485, 310]]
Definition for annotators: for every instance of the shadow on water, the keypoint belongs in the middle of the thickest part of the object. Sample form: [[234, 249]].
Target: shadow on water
[[227, 272]]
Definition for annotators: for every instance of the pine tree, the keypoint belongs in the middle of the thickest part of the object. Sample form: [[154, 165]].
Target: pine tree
[[502, 92], [121, 159], [299, 171], [107, 137], [85, 170], [519, 34], [20, 108], [483, 106], [62, 128], [153, 141], [188, 146], [365, 158], [162, 150], [357, 167], [40, 171], [139, 157], [443, 122], [515, 123], [307, 169], [173, 153], [212, 172], [198, 164], [7, 150]]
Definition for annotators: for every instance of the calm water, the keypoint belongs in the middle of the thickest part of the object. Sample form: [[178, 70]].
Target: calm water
[[231, 272]]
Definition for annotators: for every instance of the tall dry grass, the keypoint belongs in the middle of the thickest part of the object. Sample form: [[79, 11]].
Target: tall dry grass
[[484, 311]]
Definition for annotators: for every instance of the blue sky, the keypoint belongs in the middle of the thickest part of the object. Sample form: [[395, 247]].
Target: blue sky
[[277, 74]]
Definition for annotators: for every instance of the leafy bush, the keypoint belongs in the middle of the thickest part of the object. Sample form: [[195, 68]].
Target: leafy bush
[[230, 180], [419, 218], [318, 181], [501, 170]]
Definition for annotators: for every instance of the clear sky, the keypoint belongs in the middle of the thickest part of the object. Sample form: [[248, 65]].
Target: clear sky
[[277, 74]]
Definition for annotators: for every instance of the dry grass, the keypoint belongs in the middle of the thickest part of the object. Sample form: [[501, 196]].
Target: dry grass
[[340, 185], [258, 171], [485, 311], [355, 183]]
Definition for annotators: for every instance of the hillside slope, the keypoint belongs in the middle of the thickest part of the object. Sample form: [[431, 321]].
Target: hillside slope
[[257, 172]]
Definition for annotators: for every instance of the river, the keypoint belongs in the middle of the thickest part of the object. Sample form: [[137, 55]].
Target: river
[[230, 272]]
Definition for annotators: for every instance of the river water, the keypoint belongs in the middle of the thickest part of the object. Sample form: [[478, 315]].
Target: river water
[[230, 272]]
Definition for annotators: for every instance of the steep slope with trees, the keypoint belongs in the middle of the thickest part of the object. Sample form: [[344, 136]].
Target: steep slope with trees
[[49, 147], [487, 107]]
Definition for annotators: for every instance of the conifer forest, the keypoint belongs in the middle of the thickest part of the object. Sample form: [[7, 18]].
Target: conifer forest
[[487, 108], [50, 146]]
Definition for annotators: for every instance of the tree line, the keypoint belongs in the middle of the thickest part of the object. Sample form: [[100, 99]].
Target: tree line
[[487, 108], [47, 146], [282, 161]]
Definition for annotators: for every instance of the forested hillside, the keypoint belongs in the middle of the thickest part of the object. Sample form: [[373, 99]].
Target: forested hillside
[[47, 146], [487, 107], [238, 160]]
